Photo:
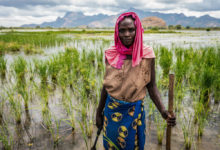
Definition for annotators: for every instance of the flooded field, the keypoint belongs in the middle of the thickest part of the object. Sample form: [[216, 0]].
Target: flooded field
[[51, 82]]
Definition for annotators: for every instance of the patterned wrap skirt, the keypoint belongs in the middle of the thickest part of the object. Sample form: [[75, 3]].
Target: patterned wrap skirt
[[124, 125]]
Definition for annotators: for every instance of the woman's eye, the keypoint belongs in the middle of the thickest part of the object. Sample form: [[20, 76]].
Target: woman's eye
[[131, 30], [121, 30]]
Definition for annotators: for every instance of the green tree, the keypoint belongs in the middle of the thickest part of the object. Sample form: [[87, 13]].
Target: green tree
[[178, 27], [208, 29], [170, 27]]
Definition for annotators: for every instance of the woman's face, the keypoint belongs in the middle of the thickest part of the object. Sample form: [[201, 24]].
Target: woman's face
[[127, 31]]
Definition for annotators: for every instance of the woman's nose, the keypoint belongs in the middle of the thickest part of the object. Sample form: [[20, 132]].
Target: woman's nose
[[127, 33]]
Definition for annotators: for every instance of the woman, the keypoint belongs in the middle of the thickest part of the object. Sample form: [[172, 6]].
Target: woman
[[130, 70]]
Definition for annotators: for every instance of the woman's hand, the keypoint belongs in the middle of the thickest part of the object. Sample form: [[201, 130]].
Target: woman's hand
[[170, 118], [99, 120], [99, 111]]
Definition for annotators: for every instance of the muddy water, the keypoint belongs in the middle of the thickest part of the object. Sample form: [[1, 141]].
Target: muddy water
[[32, 133], [209, 140], [42, 140], [186, 39]]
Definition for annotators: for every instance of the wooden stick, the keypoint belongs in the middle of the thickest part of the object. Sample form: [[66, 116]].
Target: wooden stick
[[170, 110]]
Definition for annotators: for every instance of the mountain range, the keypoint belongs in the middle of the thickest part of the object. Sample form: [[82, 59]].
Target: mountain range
[[76, 19]]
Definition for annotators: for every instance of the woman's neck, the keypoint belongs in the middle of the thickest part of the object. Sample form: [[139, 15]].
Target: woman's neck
[[128, 56]]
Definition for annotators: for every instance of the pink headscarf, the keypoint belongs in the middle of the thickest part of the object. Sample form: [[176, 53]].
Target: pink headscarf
[[117, 53]]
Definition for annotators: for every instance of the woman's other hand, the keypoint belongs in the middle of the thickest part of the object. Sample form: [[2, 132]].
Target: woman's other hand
[[170, 118], [99, 111]]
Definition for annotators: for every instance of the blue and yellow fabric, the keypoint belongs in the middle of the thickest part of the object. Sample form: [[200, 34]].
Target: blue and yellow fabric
[[124, 125]]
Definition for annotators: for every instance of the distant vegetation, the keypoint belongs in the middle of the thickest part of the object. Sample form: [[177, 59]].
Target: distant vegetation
[[98, 30]]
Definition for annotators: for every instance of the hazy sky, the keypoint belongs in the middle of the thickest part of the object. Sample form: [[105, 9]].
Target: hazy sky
[[18, 12]]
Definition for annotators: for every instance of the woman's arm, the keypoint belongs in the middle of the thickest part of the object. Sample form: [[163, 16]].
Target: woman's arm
[[99, 111], [156, 98]]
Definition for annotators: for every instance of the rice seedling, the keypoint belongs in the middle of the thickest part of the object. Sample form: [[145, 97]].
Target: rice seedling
[[71, 121], [84, 134], [3, 67], [41, 68], [84, 80], [20, 68], [2, 103], [71, 60], [46, 115], [31, 71], [188, 130], [180, 92], [89, 119], [187, 61], [86, 117], [159, 31], [202, 122], [6, 138], [36, 39], [166, 59], [54, 68], [44, 94], [54, 131], [182, 63], [69, 108], [110, 142], [200, 117], [68, 56], [216, 85], [2, 48], [15, 105], [217, 90], [29, 49], [63, 78], [207, 79], [100, 61], [161, 126], [19, 133], [151, 108], [195, 71], [27, 125], [52, 128], [13, 47], [23, 91], [205, 92], [88, 75]]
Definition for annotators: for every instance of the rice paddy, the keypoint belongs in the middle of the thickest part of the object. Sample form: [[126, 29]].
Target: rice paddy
[[51, 84]]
